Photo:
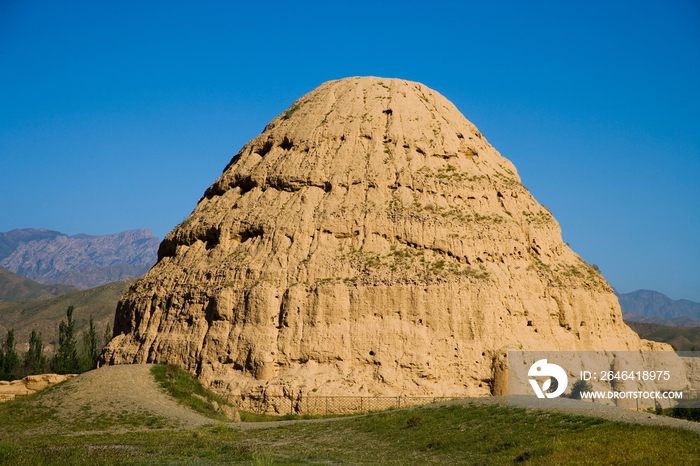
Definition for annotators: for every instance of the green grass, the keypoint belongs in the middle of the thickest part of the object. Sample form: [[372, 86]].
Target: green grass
[[42, 412], [288, 114], [448, 434], [101, 421], [538, 218], [187, 390], [435, 212], [257, 417], [24, 413], [488, 435], [403, 261], [449, 174]]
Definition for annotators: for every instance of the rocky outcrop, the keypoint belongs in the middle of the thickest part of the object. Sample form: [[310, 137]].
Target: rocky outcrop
[[28, 385], [82, 261], [369, 241]]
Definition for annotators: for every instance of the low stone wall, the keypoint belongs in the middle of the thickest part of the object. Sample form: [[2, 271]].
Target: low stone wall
[[28, 385]]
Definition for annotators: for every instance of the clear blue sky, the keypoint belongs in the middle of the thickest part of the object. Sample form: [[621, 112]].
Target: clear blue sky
[[118, 115]]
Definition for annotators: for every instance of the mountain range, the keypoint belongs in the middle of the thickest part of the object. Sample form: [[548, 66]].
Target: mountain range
[[652, 307], [81, 261]]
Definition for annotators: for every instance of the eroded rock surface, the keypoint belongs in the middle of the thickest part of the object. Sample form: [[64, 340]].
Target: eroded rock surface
[[369, 241], [28, 385]]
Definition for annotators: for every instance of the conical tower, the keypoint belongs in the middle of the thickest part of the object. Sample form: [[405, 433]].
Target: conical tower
[[369, 241]]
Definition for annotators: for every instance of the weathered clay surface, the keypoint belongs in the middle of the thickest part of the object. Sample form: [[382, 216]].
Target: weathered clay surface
[[369, 241]]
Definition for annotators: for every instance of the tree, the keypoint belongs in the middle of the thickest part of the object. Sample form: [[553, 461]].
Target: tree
[[108, 334], [67, 356], [90, 352], [10, 360], [579, 387], [35, 361]]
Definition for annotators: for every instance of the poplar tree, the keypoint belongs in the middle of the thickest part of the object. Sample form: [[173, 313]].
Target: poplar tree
[[90, 351], [108, 334], [10, 360], [67, 355], [35, 361]]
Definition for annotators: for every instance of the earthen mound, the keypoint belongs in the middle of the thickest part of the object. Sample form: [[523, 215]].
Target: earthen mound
[[369, 241]]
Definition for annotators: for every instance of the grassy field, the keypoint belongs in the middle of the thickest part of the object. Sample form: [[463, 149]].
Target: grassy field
[[448, 434], [440, 435]]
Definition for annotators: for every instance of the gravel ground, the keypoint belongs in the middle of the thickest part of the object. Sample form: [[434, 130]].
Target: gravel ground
[[129, 389]]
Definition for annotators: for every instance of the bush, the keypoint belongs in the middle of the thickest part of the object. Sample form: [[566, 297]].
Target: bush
[[579, 387], [687, 409], [414, 420]]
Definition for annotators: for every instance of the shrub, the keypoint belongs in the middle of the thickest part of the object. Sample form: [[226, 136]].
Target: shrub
[[579, 387], [687, 409], [414, 420]]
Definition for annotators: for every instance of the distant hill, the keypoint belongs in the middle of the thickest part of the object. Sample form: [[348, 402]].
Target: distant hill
[[15, 287], [45, 314], [654, 304], [672, 322], [82, 261], [681, 338]]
